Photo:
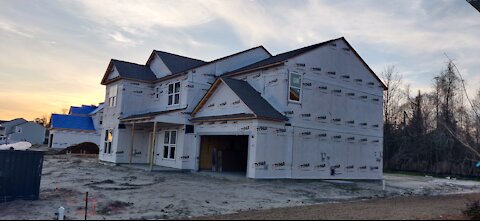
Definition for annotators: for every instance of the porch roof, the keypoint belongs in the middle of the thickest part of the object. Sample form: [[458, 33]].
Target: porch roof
[[149, 115], [224, 117]]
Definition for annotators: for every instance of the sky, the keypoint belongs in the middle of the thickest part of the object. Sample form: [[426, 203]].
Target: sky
[[53, 53]]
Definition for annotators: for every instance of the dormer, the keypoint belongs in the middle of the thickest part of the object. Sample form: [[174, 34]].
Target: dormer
[[163, 63]]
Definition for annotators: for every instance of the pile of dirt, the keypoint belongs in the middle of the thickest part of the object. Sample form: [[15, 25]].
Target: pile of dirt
[[83, 148]]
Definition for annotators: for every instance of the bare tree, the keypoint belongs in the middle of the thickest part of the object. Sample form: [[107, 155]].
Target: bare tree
[[393, 95]]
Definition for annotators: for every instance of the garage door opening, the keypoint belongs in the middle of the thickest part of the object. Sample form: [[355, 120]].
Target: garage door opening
[[221, 153]]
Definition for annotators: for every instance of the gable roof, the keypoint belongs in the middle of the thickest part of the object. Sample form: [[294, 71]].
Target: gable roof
[[60, 121], [83, 110], [211, 62], [251, 97], [177, 63], [14, 122], [129, 70], [281, 58]]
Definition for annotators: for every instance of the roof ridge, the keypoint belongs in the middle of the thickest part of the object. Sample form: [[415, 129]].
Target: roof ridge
[[298, 50], [178, 55], [309, 47], [128, 62]]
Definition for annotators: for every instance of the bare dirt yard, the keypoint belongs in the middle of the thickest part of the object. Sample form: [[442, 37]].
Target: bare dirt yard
[[120, 192], [443, 207]]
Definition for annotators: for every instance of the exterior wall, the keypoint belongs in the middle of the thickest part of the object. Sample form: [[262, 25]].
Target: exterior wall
[[97, 119], [111, 121], [114, 73], [158, 67], [66, 138], [31, 132], [356, 140], [223, 102]]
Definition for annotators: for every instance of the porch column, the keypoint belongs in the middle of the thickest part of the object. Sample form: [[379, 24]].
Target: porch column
[[131, 144], [152, 146]]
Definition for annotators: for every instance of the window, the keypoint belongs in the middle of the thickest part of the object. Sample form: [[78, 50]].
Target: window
[[108, 142], [174, 93], [112, 96], [157, 93], [169, 144], [295, 87]]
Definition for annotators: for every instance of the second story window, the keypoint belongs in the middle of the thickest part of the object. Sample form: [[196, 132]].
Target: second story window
[[157, 93], [112, 96], [295, 87], [174, 93]]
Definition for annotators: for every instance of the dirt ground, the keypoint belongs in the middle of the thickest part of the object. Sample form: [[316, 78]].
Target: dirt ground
[[119, 192], [445, 207]]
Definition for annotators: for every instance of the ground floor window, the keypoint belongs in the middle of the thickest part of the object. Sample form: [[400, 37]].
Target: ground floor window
[[107, 148], [169, 144]]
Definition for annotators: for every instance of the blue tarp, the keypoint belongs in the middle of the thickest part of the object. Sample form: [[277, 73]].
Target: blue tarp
[[60, 121], [83, 110]]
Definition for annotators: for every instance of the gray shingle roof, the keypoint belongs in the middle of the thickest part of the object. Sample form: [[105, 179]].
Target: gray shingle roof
[[133, 71], [253, 99], [475, 4], [281, 57], [150, 114], [177, 63]]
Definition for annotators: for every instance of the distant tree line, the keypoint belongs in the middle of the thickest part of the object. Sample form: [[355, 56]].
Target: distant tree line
[[434, 132]]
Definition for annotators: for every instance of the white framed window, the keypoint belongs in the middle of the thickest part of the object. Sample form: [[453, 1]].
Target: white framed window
[[107, 149], [112, 96], [169, 144], [295, 87], [174, 93]]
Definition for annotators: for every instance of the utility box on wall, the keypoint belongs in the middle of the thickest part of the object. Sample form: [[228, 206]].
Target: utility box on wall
[[20, 175]]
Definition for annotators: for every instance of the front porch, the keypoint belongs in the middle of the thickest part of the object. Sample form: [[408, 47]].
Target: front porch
[[153, 143]]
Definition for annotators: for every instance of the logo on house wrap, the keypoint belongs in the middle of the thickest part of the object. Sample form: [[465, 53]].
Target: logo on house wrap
[[281, 132], [245, 128], [279, 166], [262, 165], [305, 166], [262, 130], [185, 158]]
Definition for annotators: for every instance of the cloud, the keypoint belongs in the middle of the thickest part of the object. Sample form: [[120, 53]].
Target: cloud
[[14, 29], [123, 40], [61, 41]]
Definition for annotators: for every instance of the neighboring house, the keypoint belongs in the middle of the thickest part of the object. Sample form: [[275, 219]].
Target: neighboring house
[[21, 130], [79, 126], [310, 113]]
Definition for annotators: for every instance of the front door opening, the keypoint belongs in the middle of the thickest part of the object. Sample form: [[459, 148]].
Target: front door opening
[[222, 153]]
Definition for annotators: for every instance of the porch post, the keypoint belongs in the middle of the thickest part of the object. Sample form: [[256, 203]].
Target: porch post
[[152, 146], [131, 143]]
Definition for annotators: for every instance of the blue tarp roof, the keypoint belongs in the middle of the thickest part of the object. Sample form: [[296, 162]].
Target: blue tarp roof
[[60, 121], [83, 110]]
